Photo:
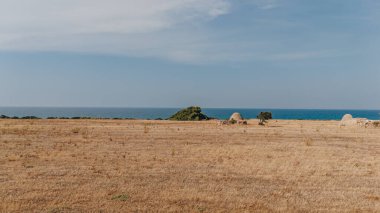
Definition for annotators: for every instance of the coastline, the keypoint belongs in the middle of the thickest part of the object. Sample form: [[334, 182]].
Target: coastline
[[163, 113]]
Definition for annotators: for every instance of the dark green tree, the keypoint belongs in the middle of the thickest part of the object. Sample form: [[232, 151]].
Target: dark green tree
[[264, 117]]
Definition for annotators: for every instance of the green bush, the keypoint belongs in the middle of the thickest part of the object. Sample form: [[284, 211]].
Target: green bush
[[122, 197], [192, 113], [232, 121], [30, 117], [263, 117]]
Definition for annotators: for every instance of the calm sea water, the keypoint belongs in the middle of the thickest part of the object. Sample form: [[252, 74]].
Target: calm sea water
[[154, 113]]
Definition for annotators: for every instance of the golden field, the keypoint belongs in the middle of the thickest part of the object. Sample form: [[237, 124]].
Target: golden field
[[166, 166]]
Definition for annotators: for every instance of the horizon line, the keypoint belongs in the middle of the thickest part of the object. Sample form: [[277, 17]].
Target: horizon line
[[160, 107]]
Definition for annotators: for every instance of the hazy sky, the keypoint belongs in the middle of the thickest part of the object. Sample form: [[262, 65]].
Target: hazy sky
[[174, 53]]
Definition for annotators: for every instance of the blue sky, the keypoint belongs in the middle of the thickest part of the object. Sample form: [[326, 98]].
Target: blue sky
[[171, 53]]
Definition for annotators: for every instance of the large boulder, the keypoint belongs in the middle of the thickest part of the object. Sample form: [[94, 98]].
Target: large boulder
[[236, 117], [347, 117], [192, 113], [348, 120]]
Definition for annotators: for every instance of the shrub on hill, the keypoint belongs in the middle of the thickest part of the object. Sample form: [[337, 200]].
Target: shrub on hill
[[192, 113]]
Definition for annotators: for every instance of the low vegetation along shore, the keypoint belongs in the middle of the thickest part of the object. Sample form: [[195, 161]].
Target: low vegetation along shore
[[91, 165]]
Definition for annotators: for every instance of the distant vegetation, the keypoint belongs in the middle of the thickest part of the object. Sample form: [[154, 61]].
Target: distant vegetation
[[192, 113], [30, 117], [15, 117], [62, 118], [263, 117]]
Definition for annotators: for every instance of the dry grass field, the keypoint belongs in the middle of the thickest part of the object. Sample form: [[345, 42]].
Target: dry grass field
[[164, 166]]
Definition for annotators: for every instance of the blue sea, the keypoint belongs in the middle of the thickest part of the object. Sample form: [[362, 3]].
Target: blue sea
[[154, 113]]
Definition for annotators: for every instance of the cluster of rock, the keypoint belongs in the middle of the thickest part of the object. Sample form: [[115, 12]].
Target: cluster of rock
[[348, 120], [235, 118]]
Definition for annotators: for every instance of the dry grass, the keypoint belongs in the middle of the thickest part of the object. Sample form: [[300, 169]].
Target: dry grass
[[127, 166]]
